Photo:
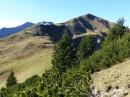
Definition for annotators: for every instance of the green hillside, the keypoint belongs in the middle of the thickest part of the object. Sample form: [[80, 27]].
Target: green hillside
[[24, 54]]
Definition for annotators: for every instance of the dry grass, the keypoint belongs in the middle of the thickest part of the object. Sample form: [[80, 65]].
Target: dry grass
[[118, 75]]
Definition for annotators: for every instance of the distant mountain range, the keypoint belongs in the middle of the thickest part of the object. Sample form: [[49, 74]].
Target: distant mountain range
[[4, 32]]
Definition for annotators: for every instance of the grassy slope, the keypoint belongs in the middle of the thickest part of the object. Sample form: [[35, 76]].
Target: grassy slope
[[118, 75], [25, 54]]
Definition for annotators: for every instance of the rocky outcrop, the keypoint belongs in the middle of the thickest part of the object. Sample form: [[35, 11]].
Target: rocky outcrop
[[55, 32], [110, 91]]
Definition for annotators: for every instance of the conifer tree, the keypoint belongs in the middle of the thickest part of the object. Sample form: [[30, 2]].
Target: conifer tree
[[63, 54], [86, 48], [11, 80], [118, 30]]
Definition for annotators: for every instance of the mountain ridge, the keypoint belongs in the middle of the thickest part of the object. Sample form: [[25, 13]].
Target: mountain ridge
[[79, 26], [5, 32]]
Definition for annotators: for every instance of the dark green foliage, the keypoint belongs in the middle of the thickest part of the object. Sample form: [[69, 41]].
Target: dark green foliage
[[63, 54], [86, 48], [112, 52], [118, 30], [75, 83], [32, 80], [11, 80], [32, 93]]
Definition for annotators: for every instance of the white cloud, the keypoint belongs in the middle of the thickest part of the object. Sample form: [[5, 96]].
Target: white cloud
[[10, 23]]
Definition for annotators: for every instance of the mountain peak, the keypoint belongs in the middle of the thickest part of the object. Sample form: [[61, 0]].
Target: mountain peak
[[91, 16], [88, 23]]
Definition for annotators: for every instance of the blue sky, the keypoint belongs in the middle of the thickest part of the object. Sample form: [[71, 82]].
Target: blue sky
[[15, 12]]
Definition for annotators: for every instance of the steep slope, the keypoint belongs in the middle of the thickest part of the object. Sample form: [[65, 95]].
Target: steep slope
[[88, 23], [112, 82], [4, 32]]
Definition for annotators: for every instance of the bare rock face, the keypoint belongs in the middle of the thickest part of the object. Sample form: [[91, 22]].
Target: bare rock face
[[55, 32], [87, 23]]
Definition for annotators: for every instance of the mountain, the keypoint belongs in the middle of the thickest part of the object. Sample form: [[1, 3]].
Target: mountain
[[80, 26], [4, 32], [29, 52], [77, 28], [87, 23]]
